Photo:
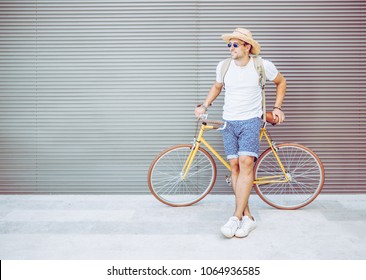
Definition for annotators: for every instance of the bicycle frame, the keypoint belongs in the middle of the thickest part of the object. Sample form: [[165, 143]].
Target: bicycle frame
[[263, 133]]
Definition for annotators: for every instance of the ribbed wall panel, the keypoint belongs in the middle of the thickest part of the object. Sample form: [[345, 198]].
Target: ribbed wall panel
[[91, 91]]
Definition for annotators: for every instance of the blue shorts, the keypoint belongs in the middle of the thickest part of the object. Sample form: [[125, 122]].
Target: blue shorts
[[241, 138]]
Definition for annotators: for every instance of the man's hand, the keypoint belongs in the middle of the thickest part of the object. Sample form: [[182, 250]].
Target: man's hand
[[199, 110], [278, 115]]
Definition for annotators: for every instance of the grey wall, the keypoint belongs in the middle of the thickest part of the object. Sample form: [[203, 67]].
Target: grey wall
[[91, 91]]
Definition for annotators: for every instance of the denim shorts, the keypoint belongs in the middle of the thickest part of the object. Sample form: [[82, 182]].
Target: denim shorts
[[241, 138]]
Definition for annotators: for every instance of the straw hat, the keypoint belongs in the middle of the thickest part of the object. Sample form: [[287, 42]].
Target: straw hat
[[243, 35]]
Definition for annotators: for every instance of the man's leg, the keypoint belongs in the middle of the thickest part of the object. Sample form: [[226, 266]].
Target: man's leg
[[230, 228], [243, 187], [242, 183], [246, 145]]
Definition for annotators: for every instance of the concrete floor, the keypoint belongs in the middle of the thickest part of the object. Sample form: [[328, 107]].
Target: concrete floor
[[72, 227]]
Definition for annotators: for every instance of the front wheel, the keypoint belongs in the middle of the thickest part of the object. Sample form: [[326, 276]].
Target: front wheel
[[165, 176], [304, 171]]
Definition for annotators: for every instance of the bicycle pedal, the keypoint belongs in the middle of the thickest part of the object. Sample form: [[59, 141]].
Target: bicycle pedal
[[228, 180]]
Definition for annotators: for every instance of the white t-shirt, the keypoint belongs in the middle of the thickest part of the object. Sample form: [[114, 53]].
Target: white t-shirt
[[243, 95]]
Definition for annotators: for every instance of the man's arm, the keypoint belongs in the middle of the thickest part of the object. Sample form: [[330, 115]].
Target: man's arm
[[280, 82], [211, 96]]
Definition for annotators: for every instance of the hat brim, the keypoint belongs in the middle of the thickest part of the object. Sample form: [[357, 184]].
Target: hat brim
[[256, 48]]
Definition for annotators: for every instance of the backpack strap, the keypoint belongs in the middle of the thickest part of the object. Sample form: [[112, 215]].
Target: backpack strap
[[224, 68], [259, 67]]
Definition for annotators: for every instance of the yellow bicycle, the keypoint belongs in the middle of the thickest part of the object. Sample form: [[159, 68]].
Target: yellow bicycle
[[287, 176]]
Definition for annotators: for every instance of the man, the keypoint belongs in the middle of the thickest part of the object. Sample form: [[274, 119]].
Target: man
[[242, 111]]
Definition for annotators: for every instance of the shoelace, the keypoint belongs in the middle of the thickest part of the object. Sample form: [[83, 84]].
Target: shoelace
[[246, 224], [232, 222]]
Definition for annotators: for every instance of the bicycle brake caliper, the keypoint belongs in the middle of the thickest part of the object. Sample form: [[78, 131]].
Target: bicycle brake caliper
[[194, 143], [274, 146]]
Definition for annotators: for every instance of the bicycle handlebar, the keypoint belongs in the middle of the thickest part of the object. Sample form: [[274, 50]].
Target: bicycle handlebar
[[221, 125]]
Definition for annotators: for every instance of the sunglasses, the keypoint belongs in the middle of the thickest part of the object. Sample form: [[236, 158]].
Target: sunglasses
[[235, 45]]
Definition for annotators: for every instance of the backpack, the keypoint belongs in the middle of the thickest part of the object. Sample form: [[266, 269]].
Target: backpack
[[259, 67]]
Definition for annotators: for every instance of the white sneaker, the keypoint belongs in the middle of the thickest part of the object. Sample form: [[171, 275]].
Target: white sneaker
[[230, 227], [247, 225]]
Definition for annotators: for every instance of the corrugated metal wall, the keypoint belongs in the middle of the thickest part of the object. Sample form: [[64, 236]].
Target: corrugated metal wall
[[91, 91]]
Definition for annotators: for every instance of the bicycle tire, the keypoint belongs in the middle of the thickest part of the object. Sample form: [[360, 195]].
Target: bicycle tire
[[164, 176], [303, 167]]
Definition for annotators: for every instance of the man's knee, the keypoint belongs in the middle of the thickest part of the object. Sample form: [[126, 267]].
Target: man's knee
[[234, 164], [246, 162]]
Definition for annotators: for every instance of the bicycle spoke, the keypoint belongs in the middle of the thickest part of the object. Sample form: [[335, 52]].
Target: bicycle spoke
[[305, 173], [166, 178]]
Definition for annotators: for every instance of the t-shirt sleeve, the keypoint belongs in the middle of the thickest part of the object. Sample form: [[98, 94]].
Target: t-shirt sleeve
[[271, 70]]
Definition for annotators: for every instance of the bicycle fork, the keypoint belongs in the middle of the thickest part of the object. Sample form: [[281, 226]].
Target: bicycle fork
[[192, 154], [189, 161], [196, 145]]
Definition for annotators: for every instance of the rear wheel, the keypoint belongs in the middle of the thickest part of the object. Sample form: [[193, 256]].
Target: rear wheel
[[165, 176], [304, 170]]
